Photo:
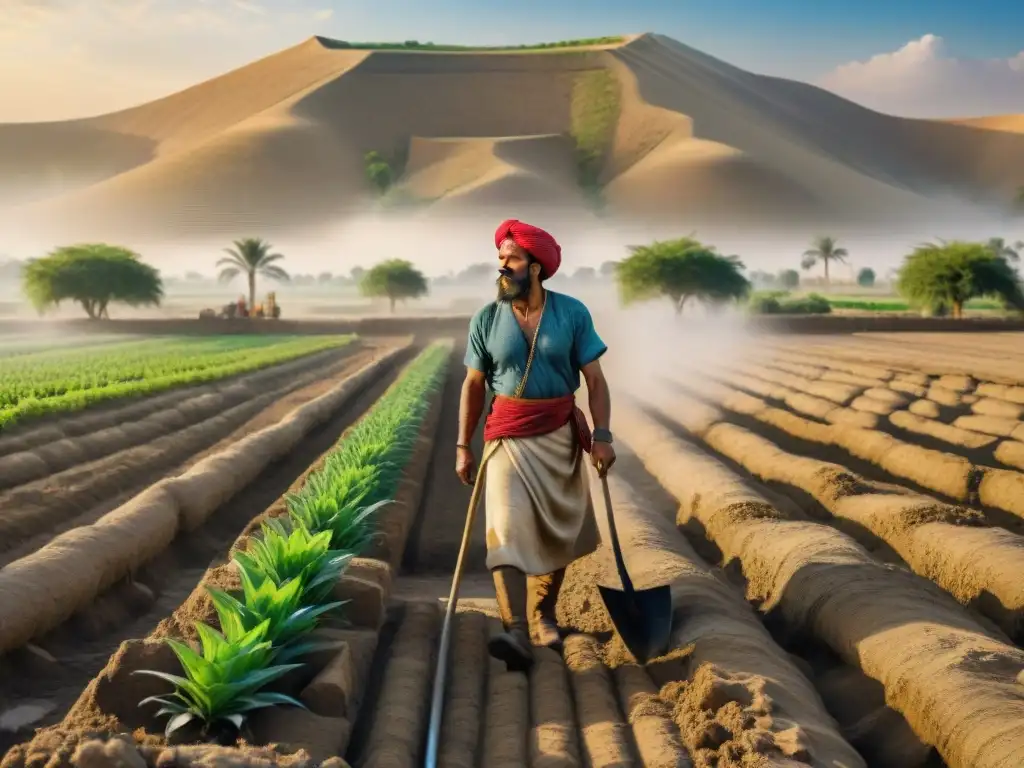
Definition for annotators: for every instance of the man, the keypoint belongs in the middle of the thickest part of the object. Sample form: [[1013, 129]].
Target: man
[[529, 348]]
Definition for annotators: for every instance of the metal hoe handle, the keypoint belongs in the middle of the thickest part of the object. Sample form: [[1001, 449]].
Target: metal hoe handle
[[441, 672]]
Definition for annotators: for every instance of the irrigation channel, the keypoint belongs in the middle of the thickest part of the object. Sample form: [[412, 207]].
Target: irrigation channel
[[840, 524]]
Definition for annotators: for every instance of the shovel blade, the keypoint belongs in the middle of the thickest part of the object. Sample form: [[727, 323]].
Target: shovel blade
[[643, 619]]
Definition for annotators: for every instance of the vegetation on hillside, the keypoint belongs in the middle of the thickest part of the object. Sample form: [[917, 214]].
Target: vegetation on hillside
[[250, 257], [93, 275], [416, 45], [378, 171], [943, 277], [395, 279], [596, 101], [680, 270]]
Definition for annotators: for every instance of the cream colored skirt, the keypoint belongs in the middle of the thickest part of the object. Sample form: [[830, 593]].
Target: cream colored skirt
[[540, 515]]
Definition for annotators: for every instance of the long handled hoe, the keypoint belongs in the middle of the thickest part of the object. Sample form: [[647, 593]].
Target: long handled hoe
[[441, 673]]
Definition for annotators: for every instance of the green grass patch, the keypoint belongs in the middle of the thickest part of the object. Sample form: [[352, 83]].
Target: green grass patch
[[899, 305], [416, 45], [596, 102], [53, 381], [289, 569]]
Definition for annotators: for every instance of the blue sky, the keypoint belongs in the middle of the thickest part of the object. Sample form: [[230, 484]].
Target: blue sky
[[66, 58]]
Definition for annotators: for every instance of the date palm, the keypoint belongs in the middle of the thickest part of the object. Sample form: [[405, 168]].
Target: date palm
[[251, 256], [823, 249]]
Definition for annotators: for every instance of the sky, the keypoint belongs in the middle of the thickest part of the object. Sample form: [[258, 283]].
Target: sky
[[61, 59]]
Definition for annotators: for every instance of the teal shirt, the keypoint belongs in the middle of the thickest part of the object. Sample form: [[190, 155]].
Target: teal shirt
[[567, 341]]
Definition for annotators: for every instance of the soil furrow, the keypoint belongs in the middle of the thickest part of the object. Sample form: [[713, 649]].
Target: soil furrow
[[31, 514], [954, 682], [953, 546], [50, 458], [77, 650]]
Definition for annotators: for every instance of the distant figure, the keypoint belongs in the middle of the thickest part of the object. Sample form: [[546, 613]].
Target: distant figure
[[529, 348], [242, 307]]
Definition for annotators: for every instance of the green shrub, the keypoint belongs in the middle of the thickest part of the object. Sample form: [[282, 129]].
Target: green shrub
[[780, 303]]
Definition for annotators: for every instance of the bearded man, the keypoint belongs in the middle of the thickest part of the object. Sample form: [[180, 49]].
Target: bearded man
[[529, 348]]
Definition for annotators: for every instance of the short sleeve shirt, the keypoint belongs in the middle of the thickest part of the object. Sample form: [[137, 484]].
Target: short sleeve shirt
[[566, 342]]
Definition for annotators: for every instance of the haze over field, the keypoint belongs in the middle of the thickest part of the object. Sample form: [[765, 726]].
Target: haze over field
[[603, 144]]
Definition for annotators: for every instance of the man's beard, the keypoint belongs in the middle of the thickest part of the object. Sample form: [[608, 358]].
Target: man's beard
[[511, 287]]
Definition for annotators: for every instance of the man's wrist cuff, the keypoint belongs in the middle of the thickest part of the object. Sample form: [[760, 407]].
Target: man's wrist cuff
[[602, 435]]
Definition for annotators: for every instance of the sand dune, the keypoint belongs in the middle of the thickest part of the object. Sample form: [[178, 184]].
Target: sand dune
[[672, 135]]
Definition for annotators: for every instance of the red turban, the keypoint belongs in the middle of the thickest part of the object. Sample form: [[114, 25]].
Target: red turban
[[534, 240]]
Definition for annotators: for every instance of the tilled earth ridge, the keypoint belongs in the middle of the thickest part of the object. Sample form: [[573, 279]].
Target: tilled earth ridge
[[842, 579], [52, 672]]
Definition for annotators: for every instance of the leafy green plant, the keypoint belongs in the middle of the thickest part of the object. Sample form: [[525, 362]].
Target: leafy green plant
[[222, 682], [289, 569], [281, 555], [279, 607]]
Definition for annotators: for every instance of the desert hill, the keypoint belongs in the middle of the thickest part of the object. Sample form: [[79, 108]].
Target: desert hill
[[656, 130]]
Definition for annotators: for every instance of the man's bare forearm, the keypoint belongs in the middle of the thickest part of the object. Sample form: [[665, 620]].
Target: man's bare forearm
[[471, 406], [600, 403]]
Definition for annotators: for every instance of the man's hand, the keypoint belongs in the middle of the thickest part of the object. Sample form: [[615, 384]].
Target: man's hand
[[603, 456], [464, 464]]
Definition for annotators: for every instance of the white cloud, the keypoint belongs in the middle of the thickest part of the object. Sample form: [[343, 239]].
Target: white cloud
[[921, 80]]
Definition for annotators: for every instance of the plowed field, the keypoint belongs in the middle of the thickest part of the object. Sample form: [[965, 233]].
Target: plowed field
[[841, 521]]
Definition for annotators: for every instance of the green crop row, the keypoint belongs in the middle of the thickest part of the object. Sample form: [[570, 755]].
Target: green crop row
[[32, 387], [289, 570]]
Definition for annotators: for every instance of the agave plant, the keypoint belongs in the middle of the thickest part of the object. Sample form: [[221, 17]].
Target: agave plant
[[281, 555], [332, 502], [280, 607], [223, 682]]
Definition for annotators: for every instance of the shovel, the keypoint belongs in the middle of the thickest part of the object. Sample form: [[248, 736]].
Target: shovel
[[642, 617]]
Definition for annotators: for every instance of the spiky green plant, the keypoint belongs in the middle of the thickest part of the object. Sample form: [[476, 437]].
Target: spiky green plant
[[222, 682], [289, 570], [281, 555], [279, 607]]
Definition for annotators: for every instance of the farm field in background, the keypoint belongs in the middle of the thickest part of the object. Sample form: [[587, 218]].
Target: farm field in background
[[49, 377], [841, 519]]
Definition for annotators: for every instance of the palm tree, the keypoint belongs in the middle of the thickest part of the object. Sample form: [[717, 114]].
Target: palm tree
[[824, 250], [1001, 249], [251, 256]]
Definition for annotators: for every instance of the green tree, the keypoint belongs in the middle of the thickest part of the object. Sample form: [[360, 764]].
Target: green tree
[[93, 275], [823, 249], [608, 268], [1000, 247], [251, 256], [866, 278], [789, 279], [396, 279], [378, 171], [943, 277], [680, 270]]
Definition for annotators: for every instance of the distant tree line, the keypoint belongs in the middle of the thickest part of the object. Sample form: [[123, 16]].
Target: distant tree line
[[938, 278]]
